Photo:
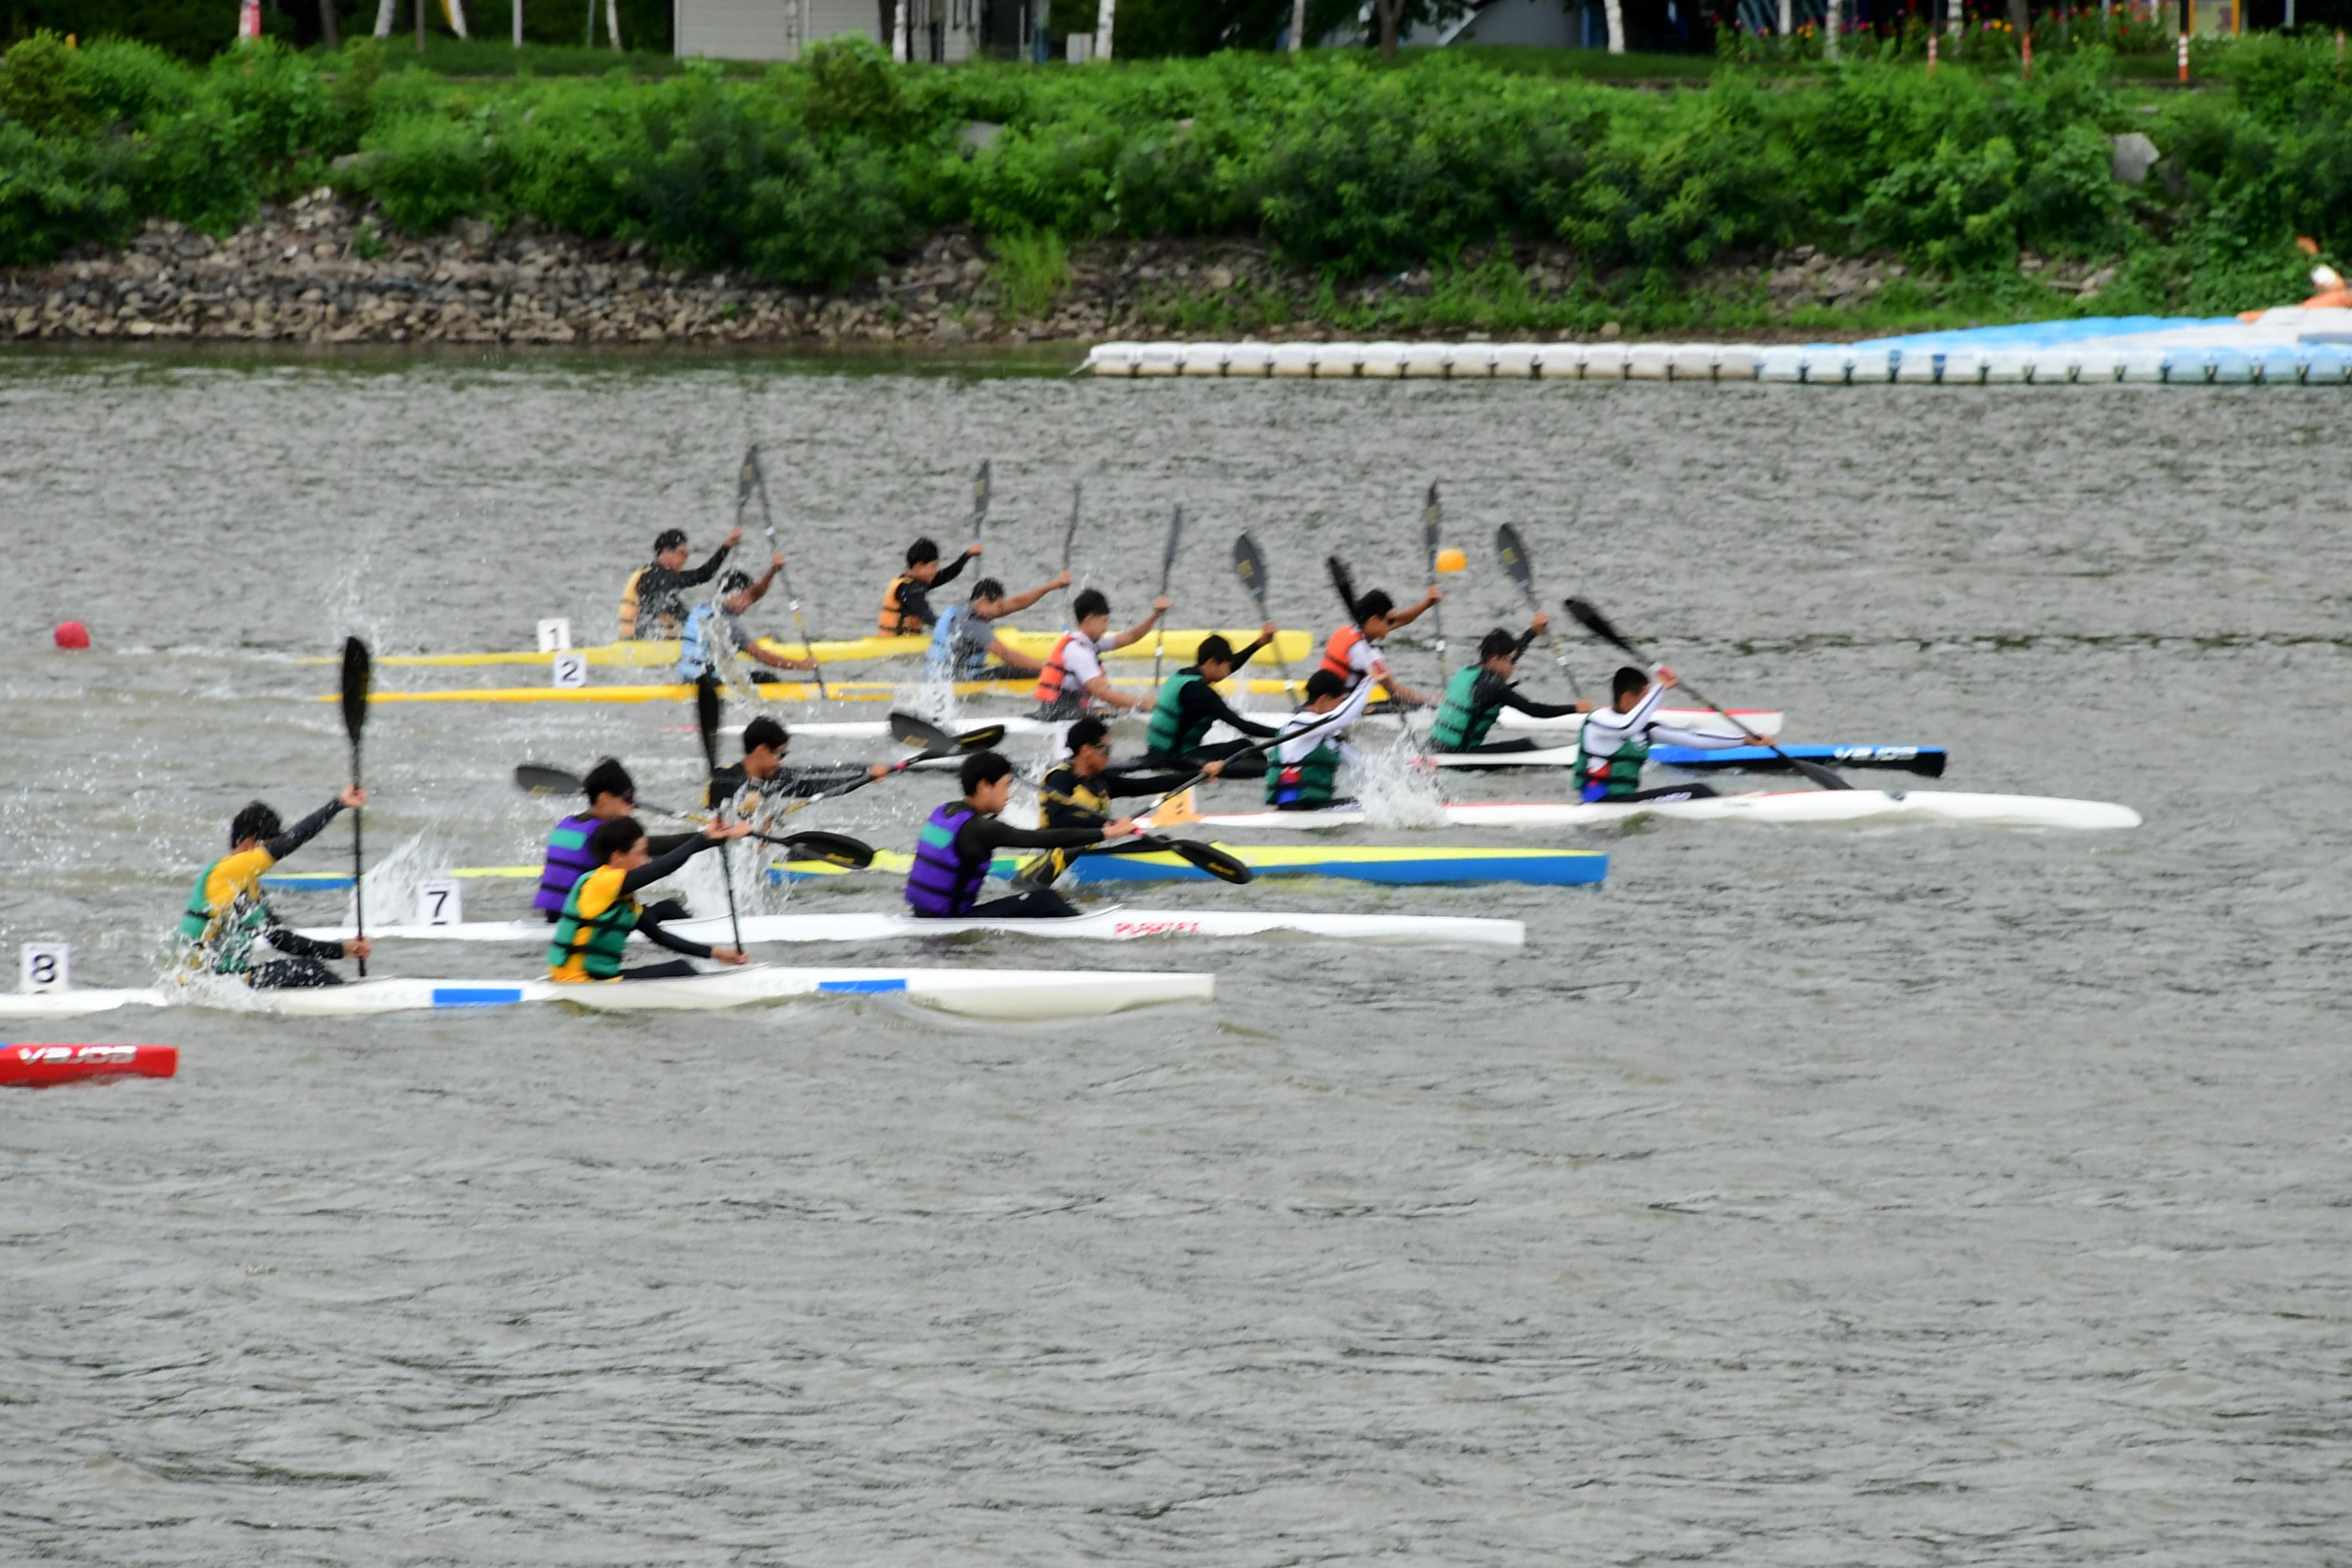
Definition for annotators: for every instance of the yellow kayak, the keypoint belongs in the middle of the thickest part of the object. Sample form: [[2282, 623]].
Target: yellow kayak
[[655, 653], [771, 691]]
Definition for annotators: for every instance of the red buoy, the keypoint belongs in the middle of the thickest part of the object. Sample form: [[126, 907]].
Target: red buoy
[[35, 1066], [72, 634]]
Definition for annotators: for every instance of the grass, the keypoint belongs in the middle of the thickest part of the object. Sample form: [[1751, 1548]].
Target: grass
[[1031, 268]]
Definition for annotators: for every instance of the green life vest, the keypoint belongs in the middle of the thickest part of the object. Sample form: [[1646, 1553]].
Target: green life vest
[[1611, 778], [1311, 781], [1462, 721], [1168, 735], [599, 941], [230, 933]]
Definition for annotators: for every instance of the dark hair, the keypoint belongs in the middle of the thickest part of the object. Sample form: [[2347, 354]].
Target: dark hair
[[614, 837], [608, 777], [256, 821], [1090, 602], [1628, 680], [983, 768], [764, 731], [1322, 684], [668, 540], [1087, 732], [987, 588], [922, 549], [734, 582], [1375, 603], [1496, 644], [1214, 645]]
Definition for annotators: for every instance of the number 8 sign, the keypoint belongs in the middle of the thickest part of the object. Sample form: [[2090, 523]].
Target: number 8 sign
[[48, 966]]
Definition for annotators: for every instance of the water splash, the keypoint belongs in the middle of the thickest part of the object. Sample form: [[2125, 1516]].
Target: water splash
[[1397, 784], [392, 883]]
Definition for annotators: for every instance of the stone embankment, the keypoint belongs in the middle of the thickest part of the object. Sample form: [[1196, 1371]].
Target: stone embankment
[[322, 270]]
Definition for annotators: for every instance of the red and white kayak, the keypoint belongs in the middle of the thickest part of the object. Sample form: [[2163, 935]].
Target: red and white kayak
[[36, 1066], [1791, 807]]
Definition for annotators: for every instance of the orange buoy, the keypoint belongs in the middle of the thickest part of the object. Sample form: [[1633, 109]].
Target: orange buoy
[[1453, 561], [36, 1066], [72, 634]]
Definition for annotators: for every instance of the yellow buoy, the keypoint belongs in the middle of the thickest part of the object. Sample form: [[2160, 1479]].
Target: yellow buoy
[[1453, 561]]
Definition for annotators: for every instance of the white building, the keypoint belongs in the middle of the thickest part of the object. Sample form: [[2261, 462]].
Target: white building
[[936, 30]]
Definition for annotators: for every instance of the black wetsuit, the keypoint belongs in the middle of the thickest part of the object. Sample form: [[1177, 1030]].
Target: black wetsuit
[[1198, 706], [661, 596], [915, 598], [981, 837]]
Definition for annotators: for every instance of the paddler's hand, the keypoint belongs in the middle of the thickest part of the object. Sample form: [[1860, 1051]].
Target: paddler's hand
[[1062, 580], [1120, 827], [353, 796], [358, 947], [1269, 631], [714, 832], [973, 549], [1431, 597], [734, 538], [1542, 623], [1214, 770], [880, 771], [776, 562], [1159, 606], [1584, 705], [1666, 677], [729, 955]]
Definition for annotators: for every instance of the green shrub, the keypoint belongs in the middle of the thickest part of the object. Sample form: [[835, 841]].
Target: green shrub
[[58, 194], [41, 87], [425, 171]]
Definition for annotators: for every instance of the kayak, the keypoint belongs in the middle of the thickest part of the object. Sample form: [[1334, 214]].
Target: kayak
[[1925, 761], [766, 691], [33, 1067], [1786, 806], [1764, 721], [1008, 994], [653, 653], [1393, 865], [1115, 923]]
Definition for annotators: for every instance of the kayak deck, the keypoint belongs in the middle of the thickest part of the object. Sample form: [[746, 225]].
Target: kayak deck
[[1114, 924], [652, 653], [1783, 808]]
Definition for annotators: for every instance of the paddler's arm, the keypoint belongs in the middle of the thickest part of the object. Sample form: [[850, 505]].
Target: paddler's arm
[[1020, 602], [302, 832], [1698, 739], [1264, 640], [1116, 783], [949, 573], [758, 590], [661, 865], [695, 576], [1511, 697], [1406, 617], [981, 836], [1135, 632], [292, 944], [796, 782], [1201, 702], [1013, 658]]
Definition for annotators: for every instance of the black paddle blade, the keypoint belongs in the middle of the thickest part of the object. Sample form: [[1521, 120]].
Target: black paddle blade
[[1593, 620], [980, 485], [979, 739], [532, 779], [706, 717], [1515, 559], [358, 676], [909, 731], [747, 480], [1250, 567], [1212, 858], [1168, 561], [1819, 775], [1430, 514], [1070, 534], [1343, 583], [833, 849]]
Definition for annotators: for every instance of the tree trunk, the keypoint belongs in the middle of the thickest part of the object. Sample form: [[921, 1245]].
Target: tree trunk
[[420, 25], [328, 34], [1389, 11], [1788, 17], [1830, 30], [387, 14], [2020, 20], [1103, 19], [1298, 26], [902, 31], [613, 23], [1614, 12]]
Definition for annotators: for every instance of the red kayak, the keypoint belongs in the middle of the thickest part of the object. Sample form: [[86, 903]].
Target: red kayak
[[36, 1066]]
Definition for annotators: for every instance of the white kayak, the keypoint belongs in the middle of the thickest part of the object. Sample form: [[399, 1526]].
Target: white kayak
[[1705, 721], [1115, 923], [1011, 994], [1780, 806]]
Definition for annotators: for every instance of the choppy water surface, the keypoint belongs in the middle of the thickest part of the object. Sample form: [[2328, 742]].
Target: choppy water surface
[[1889, 1196]]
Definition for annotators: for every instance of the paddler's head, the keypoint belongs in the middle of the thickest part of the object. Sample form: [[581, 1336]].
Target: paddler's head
[[988, 598], [735, 593], [612, 793], [987, 780], [765, 742], [1372, 613], [1324, 690], [1626, 687], [922, 561], [254, 825], [1214, 658], [1498, 650], [1093, 611], [1089, 741], [670, 550], [620, 842]]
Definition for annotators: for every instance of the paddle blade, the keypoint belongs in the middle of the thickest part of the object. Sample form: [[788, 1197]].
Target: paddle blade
[[1168, 559], [748, 479], [1210, 858], [832, 848], [532, 779], [706, 717], [1819, 775], [1343, 583], [980, 740], [1250, 567], [358, 676], [1583, 613], [1514, 552], [1070, 534], [1429, 515], [909, 731], [1179, 807], [981, 484]]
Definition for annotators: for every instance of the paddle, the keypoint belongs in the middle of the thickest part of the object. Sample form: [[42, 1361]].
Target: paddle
[[1593, 620], [980, 485], [1210, 858], [1250, 567], [1069, 545], [910, 730], [1522, 572], [358, 669], [1167, 574], [706, 718], [1429, 515], [754, 478], [839, 849]]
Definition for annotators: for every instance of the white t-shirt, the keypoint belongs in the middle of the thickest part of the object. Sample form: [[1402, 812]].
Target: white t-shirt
[[1082, 662]]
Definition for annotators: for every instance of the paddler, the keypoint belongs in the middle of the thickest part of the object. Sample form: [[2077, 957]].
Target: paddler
[[965, 638], [960, 841], [746, 787], [1616, 740], [1476, 694], [1188, 707], [1079, 791], [718, 626], [1073, 680], [1353, 653], [611, 796], [653, 602], [1302, 774], [226, 914], [906, 603], [592, 934]]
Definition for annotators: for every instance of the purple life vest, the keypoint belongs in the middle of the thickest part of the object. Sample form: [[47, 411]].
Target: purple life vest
[[940, 883], [567, 862]]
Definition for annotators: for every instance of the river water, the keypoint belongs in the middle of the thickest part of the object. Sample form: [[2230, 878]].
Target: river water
[[1887, 1196]]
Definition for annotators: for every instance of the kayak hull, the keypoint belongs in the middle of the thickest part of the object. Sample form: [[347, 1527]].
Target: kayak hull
[[1118, 923], [36, 1066], [654, 653], [1925, 761], [1790, 807]]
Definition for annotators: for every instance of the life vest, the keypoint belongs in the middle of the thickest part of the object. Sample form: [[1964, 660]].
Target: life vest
[[588, 943], [940, 882], [1462, 720], [1169, 735], [893, 621], [1335, 654], [698, 647], [567, 862], [1310, 781], [629, 604], [1057, 693], [1073, 790], [959, 649], [1612, 777], [229, 931]]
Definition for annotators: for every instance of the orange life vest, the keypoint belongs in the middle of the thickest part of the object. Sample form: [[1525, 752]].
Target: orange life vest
[[1056, 676], [1335, 653], [893, 621]]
